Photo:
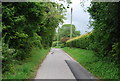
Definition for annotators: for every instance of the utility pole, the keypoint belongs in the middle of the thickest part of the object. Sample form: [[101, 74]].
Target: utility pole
[[57, 36], [71, 28]]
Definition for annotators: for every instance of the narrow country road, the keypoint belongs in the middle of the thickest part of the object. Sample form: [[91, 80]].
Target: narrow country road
[[54, 66], [59, 65]]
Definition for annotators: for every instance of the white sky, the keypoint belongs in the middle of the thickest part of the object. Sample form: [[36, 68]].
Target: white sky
[[80, 17]]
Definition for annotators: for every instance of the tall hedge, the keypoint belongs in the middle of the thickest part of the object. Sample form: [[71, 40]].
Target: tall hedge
[[81, 41], [26, 25], [105, 37]]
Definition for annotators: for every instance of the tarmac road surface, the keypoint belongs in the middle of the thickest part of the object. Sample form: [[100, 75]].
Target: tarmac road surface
[[59, 65]]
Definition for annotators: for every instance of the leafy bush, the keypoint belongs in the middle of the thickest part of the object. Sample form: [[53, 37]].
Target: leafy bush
[[80, 41], [105, 37], [88, 41], [22, 31], [26, 69], [56, 42], [7, 58]]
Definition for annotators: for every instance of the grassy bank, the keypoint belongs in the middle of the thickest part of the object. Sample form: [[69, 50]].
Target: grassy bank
[[28, 68], [99, 68]]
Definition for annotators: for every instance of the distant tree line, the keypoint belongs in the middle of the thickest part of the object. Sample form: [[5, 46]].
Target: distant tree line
[[63, 32]]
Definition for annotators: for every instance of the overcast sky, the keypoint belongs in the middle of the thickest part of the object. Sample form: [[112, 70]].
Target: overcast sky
[[80, 17]]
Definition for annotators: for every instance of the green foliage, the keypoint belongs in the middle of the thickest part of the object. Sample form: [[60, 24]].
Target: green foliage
[[57, 44], [80, 41], [8, 57], [28, 68], [106, 33], [105, 37], [99, 68], [25, 26], [64, 31]]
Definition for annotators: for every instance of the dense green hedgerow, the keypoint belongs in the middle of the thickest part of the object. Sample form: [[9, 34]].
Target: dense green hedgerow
[[80, 41], [27, 25], [105, 37]]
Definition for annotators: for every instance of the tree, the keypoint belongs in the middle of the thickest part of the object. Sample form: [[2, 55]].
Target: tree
[[26, 25], [64, 31]]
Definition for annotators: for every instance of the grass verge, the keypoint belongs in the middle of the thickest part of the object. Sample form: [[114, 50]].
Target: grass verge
[[28, 68], [99, 68]]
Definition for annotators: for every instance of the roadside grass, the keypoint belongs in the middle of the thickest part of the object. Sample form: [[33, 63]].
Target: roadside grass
[[28, 68], [100, 69]]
